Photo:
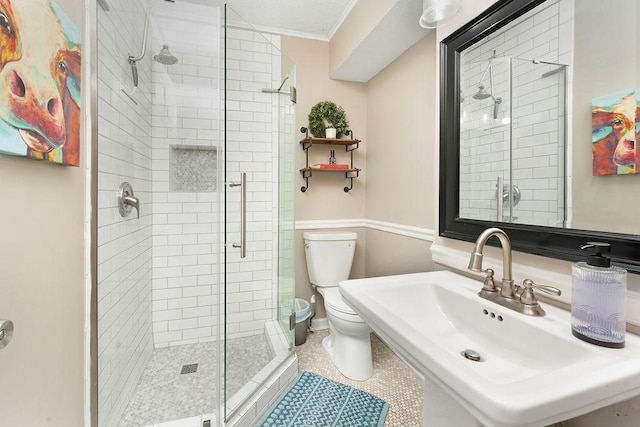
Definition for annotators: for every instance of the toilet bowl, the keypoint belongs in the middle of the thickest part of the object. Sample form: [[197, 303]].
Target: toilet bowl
[[349, 341], [329, 257]]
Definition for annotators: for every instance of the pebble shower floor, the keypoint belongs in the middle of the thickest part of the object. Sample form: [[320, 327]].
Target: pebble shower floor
[[164, 394]]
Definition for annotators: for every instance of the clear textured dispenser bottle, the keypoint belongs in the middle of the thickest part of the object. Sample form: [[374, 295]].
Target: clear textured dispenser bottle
[[598, 298]]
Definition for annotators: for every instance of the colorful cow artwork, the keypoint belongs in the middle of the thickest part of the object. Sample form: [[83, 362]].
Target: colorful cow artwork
[[615, 130], [40, 71]]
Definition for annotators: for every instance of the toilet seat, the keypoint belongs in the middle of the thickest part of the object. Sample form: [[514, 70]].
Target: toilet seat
[[333, 299]]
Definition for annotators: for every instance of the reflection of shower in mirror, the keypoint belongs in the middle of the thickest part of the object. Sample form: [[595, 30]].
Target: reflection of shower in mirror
[[482, 91], [507, 199]]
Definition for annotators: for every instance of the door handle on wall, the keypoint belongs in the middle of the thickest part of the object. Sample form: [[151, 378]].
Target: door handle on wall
[[243, 214]]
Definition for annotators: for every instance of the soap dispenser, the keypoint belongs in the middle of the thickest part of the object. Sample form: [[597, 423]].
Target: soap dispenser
[[598, 298], [332, 157]]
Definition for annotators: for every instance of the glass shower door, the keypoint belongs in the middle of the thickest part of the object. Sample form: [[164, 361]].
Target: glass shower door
[[257, 163], [286, 209], [539, 134]]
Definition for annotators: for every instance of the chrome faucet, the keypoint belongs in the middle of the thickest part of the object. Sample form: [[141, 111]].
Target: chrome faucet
[[520, 299]]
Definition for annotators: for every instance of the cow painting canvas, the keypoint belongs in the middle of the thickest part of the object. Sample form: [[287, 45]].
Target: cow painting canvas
[[638, 127], [40, 71], [615, 126]]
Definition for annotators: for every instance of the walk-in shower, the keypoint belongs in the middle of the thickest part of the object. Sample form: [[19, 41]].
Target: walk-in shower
[[189, 324]]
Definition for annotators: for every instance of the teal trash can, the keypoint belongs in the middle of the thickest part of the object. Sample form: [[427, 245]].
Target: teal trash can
[[303, 315]]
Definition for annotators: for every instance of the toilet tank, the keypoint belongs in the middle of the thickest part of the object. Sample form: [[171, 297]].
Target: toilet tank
[[329, 256]]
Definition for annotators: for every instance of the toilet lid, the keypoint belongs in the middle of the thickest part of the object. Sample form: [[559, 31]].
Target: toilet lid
[[333, 298]]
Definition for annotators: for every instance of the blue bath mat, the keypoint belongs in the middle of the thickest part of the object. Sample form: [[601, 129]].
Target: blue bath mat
[[316, 401]]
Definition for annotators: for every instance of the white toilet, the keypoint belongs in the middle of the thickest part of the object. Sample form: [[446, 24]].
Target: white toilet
[[329, 256]]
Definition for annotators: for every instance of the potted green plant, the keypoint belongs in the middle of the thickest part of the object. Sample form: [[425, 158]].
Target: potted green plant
[[325, 116]]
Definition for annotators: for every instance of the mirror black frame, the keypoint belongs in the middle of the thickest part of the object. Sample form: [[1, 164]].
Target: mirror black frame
[[550, 242]]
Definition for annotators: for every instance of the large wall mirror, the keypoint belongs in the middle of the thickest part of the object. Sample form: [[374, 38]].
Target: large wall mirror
[[540, 115]]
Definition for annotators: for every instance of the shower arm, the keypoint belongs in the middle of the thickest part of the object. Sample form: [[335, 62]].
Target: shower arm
[[133, 59], [269, 90], [485, 74], [490, 70], [282, 84]]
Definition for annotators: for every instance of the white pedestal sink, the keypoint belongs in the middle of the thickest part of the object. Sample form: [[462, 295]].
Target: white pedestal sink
[[532, 371]]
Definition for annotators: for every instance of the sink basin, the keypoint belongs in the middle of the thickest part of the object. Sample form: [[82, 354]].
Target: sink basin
[[532, 371]]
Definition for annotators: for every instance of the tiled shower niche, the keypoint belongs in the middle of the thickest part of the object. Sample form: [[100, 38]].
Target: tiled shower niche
[[193, 168]]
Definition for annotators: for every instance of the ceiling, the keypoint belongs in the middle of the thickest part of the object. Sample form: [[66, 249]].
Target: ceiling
[[314, 19], [388, 38]]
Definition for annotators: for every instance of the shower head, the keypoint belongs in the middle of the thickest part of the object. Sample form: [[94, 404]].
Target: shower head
[[165, 57], [482, 93]]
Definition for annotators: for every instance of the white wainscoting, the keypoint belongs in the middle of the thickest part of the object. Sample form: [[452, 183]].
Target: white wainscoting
[[389, 227]]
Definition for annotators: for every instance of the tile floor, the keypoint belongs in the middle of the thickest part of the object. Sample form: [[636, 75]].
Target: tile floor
[[392, 379], [163, 394]]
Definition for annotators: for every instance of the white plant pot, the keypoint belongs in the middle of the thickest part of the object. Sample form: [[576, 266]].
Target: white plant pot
[[330, 133]]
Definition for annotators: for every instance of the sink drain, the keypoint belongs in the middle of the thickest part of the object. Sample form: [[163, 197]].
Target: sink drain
[[471, 355]]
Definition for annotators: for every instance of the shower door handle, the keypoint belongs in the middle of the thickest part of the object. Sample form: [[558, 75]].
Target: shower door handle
[[499, 201], [243, 214]]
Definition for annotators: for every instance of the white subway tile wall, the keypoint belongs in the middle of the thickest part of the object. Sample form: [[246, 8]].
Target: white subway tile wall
[[186, 112], [124, 244], [185, 122], [527, 138]]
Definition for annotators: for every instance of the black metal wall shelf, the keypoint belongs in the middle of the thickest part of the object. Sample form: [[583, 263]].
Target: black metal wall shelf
[[350, 146]]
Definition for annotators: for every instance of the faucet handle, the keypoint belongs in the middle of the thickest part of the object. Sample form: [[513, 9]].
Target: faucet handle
[[489, 284], [126, 200], [529, 298], [134, 202]]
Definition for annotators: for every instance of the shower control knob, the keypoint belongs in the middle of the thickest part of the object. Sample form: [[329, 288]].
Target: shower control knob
[[6, 332]]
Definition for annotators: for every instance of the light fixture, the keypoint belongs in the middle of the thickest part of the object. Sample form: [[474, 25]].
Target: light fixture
[[437, 12]]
